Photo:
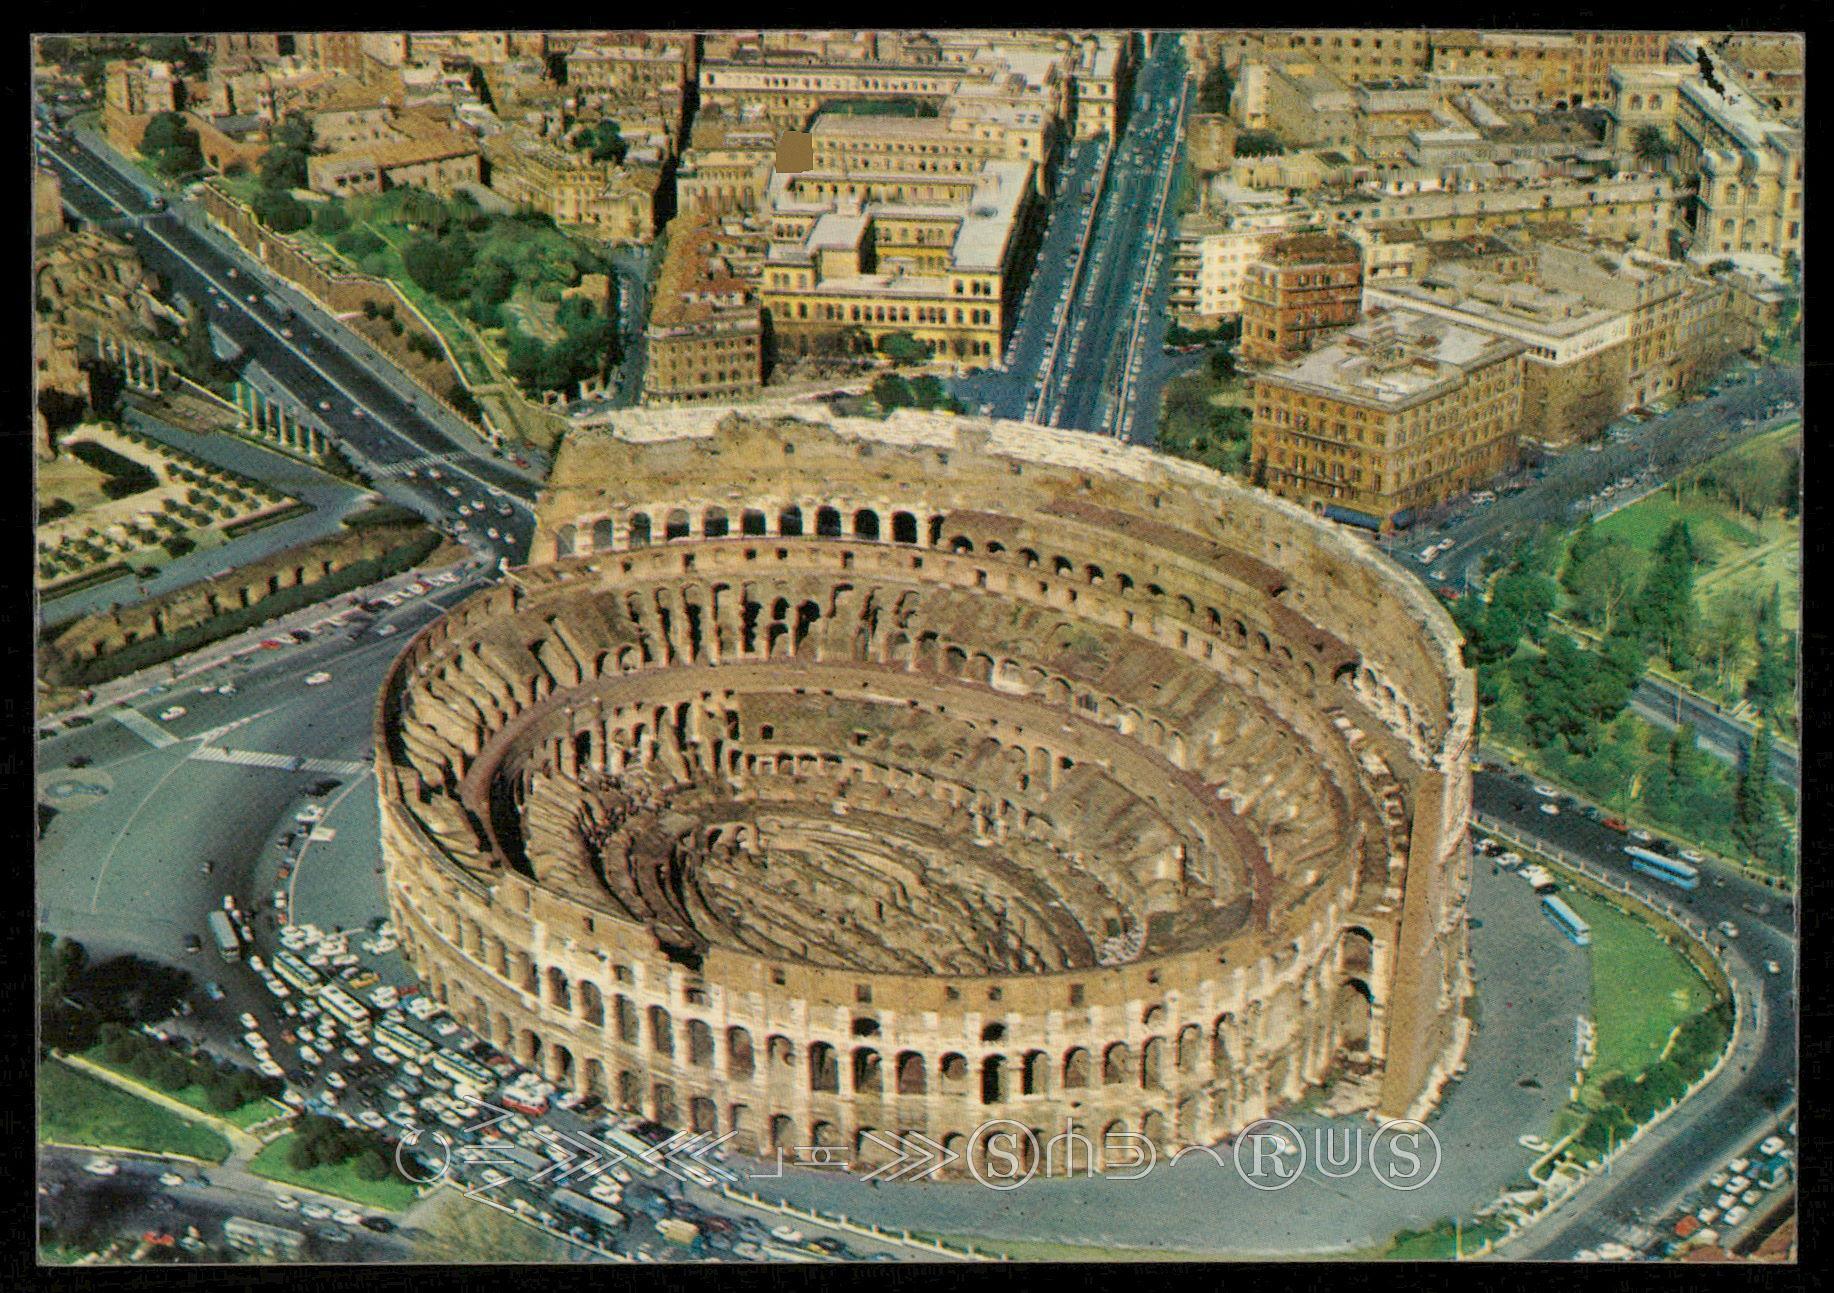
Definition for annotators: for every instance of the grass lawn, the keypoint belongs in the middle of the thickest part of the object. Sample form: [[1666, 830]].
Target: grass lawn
[[78, 1109], [391, 1193], [1742, 553], [1642, 990], [247, 1116]]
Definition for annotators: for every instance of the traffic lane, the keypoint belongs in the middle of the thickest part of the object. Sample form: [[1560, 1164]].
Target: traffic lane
[[174, 233], [1679, 437], [133, 1201], [1727, 895], [208, 268], [1726, 736]]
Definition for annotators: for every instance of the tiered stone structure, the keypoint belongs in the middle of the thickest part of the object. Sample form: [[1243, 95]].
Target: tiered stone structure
[[831, 781]]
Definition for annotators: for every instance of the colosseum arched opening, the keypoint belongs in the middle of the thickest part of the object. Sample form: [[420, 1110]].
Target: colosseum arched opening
[[830, 781]]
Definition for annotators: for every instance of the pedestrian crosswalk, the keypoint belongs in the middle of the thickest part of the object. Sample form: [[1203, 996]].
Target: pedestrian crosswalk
[[143, 727], [248, 758], [413, 464], [282, 762]]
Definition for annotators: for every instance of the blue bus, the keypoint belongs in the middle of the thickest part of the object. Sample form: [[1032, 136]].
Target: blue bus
[[1567, 921], [1667, 870]]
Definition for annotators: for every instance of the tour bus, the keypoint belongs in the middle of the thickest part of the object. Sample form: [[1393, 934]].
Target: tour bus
[[639, 1159], [1567, 921], [346, 1007], [229, 945], [297, 974], [462, 1071], [575, 1204], [1667, 870], [403, 1040]]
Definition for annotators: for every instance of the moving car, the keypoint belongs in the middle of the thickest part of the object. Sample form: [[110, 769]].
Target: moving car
[[317, 679], [99, 1166]]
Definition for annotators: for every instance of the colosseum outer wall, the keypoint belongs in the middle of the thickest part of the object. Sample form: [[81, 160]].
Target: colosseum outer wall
[[1291, 649]]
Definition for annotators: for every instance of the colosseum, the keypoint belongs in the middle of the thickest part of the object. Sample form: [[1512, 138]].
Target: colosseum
[[828, 780]]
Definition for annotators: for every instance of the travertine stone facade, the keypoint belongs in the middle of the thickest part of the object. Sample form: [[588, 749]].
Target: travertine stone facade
[[832, 779]]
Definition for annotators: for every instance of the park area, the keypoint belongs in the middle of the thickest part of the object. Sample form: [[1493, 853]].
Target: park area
[[1742, 512], [346, 1179], [244, 1115], [77, 1109], [508, 292]]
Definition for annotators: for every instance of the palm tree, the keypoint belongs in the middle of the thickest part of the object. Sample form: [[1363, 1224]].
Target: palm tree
[[1652, 146]]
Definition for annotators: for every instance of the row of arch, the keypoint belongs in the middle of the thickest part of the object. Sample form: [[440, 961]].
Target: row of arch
[[905, 527], [1157, 1064]]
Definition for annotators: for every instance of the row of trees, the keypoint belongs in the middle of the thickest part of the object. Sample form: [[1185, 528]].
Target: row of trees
[[226, 1087], [892, 391]]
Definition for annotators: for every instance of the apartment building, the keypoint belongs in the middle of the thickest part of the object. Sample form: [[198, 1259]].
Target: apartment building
[[412, 148], [1575, 352], [1297, 98], [1214, 250], [134, 91], [942, 257], [1748, 168], [1566, 68], [1354, 54], [1302, 289], [726, 167], [609, 200], [704, 342], [1399, 413], [1683, 324]]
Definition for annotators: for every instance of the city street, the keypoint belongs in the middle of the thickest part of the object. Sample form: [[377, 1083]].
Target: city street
[[133, 1201], [364, 411], [1759, 1081]]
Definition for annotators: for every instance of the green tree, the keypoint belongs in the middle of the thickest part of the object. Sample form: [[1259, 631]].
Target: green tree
[[360, 241], [1664, 609], [436, 265], [331, 220], [1258, 143], [280, 211], [1757, 820], [903, 348], [927, 392], [171, 144], [890, 391], [602, 140], [1653, 146], [1601, 574], [1215, 90]]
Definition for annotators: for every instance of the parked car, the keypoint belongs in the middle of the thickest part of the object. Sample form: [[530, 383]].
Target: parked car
[[172, 712]]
